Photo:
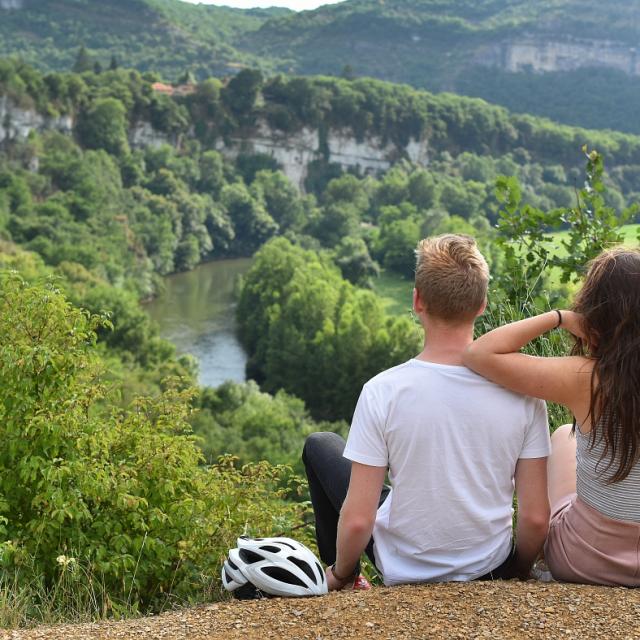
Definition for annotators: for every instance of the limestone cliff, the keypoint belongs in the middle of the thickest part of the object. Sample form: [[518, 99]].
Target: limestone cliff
[[142, 134], [293, 152], [555, 55], [16, 123], [11, 4]]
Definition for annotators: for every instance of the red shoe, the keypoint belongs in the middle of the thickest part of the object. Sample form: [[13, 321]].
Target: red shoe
[[361, 584]]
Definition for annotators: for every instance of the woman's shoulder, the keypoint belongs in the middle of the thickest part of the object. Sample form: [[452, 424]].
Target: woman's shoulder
[[578, 369]]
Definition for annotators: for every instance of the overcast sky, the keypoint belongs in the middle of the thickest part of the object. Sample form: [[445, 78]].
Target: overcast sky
[[297, 5]]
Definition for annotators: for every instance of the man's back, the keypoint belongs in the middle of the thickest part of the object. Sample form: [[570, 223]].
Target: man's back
[[456, 447], [451, 440]]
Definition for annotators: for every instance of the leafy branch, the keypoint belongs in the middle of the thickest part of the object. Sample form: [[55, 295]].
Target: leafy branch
[[530, 249]]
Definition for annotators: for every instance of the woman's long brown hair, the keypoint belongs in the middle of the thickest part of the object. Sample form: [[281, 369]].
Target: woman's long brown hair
[[609, 302]]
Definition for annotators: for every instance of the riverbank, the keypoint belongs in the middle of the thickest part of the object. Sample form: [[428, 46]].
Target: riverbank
[[499, 610]]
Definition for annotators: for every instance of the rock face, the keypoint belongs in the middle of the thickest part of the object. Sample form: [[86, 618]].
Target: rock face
[[294, 152], [16, 123], [142, 134], [543, 55], [11, 4]]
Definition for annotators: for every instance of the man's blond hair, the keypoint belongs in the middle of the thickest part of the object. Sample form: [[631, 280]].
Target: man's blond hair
[[452, 277]]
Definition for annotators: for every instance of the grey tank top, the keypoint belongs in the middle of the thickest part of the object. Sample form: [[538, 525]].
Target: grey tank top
[[620, 500]]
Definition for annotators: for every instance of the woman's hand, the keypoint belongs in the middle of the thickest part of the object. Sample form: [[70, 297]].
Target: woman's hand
[[574, 323]]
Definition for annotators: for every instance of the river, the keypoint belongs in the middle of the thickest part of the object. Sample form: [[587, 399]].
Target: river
[[196, 312]]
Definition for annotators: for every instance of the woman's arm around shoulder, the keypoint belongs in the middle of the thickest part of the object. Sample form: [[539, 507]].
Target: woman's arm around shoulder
[[566, 380]]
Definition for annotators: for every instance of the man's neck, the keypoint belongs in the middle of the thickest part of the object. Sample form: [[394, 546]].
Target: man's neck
[[444, 343]]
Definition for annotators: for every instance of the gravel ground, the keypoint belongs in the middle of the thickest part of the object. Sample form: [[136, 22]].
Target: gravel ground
[[474, 610]]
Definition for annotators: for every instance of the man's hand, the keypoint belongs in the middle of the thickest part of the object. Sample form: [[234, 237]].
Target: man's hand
[[332, 582]]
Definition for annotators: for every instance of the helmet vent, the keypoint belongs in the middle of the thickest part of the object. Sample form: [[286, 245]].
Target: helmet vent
[[270, 548], [286, 544], [320, 573], [305, 567], [249, 557], [227, 577], [248, 591], [282, 575], [231, 564]]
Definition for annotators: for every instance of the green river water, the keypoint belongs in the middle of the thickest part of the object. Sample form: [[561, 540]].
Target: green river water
[[197, 313]]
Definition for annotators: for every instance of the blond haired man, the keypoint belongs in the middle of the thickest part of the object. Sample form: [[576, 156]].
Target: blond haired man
[[454, 445]]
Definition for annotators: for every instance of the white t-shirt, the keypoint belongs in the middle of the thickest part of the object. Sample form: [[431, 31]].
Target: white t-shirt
[[451, 440]]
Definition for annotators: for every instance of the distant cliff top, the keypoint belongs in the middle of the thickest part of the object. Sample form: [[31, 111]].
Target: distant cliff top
[[385, 39]]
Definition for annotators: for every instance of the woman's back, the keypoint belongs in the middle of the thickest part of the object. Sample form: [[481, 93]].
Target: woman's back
[[619, 500]]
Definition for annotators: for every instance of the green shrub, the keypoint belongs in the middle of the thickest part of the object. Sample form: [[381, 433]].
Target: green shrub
[[252, 425], [108, 505]]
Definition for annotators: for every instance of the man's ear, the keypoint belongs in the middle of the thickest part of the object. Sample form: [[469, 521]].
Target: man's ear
[[418, 305], [482, 309]]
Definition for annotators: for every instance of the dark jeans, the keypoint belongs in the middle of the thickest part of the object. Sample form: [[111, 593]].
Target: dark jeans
[[328, 474]]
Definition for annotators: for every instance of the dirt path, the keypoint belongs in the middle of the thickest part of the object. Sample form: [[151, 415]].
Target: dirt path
[[475, 610]]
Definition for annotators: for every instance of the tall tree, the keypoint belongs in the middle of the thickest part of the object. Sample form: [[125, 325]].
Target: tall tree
[[187, 78], [242, 90], [104, 126], [83, 61], [348, 72]]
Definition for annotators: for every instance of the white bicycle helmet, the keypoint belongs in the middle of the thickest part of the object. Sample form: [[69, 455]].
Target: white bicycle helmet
[[232, 576], [274, 566]]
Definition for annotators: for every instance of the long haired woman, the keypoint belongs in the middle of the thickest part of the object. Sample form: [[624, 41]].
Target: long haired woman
[[593, 471]]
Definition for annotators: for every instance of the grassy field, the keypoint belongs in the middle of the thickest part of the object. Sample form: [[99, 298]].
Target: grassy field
[[629, 232], [396, 291], [630, 239]]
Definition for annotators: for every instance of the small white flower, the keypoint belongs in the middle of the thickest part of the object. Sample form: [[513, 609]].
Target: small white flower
[[65, 561]]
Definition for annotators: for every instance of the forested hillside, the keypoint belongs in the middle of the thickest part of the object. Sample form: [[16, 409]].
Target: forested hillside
[[157, 209], [165, 36], [488, 49], [429, 42], [109, 216]]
